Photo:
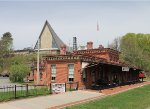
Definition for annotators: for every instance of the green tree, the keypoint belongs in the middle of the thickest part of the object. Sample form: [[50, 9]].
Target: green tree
[[18, 72], [6, 43], [135, 49]]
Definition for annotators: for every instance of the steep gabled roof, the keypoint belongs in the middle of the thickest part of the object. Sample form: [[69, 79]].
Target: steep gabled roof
[[56, 41]]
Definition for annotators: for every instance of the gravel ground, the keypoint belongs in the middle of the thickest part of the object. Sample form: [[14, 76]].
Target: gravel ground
[[4, 81]]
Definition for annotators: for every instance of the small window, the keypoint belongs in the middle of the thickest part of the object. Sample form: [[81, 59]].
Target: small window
[[71, 79], [84, 75], [53, 72], [71, 72], [53, 78]]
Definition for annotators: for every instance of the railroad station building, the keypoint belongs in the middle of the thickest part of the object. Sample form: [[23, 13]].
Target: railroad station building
[[87, 67]]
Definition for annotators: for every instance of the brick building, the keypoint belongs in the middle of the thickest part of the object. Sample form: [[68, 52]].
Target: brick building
[[87, 67]]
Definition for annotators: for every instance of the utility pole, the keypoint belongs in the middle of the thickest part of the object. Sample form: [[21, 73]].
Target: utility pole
[[38, 55]]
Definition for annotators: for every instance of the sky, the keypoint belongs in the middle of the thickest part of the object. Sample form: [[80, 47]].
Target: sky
[[25, 20]]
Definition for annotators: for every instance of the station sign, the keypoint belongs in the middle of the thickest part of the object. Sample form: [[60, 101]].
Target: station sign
[[125, 68], [58, 87]]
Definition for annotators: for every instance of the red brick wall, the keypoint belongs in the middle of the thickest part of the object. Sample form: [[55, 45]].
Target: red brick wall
[[109, 54], [103, 55], [78, 74], [43, 76], [61, 73]]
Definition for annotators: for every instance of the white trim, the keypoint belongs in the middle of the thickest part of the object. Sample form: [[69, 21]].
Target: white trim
[[84, 64]]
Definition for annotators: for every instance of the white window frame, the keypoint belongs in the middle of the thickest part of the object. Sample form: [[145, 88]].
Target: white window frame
[[53, 72], [70, 73]]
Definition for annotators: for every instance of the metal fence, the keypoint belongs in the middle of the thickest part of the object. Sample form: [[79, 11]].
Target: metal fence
[[72, 86], [19, 91]]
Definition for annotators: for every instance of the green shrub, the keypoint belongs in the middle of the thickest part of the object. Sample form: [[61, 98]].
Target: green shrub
[[18, 72]]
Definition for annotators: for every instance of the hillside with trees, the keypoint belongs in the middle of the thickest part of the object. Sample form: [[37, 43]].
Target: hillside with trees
[[135, 49], [17, 66]]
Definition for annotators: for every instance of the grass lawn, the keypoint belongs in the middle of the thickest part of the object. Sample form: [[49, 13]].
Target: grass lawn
[[138, 98], [9, 95]]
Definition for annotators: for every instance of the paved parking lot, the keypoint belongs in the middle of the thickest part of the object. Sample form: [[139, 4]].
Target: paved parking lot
[[4, 81]]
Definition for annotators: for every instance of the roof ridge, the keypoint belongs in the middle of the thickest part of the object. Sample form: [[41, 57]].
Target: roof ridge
[[55, 37]]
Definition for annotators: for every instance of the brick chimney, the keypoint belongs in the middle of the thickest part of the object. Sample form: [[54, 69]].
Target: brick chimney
[[89, 45], [63, 50]]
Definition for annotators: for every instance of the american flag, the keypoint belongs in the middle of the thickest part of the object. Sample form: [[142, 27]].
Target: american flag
[[97, 26]]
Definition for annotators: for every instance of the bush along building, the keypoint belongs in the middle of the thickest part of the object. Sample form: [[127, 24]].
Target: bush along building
[[88, 67]]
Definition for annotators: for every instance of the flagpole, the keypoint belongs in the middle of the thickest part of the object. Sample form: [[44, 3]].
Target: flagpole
[[38, 71], [97, 26], [97, 33]]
